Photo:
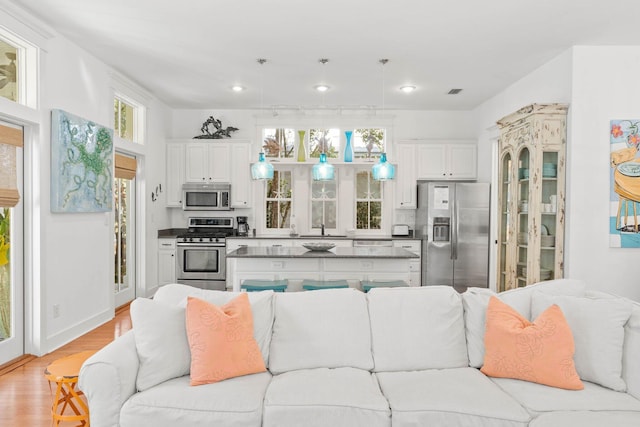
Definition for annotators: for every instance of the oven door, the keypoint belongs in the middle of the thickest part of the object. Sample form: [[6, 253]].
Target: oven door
[[200, 262]]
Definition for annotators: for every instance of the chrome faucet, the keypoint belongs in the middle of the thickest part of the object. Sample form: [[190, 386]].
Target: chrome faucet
[[322, 229]]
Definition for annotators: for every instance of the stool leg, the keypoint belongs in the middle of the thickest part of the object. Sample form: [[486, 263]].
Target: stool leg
[[635, 218], [626, 213]]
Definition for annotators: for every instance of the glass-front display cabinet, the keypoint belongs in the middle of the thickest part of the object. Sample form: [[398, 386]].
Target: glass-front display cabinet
[[532, 195]]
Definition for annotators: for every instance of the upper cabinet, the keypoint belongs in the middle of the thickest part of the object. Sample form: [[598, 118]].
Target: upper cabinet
[[218, 160], [175, 174], [207, 162], [532, 195], [447, 161], [432, 160]]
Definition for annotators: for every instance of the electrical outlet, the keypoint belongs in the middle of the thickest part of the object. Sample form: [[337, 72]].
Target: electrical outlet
[[56, 311]]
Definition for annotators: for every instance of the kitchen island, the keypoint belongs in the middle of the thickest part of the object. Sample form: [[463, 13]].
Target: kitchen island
[[295, 264]]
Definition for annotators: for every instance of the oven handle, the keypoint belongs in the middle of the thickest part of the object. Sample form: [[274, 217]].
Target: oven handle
[[201, 245]]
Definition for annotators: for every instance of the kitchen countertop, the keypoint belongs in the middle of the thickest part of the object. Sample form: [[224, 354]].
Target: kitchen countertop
[[170, 233], [338, 252]]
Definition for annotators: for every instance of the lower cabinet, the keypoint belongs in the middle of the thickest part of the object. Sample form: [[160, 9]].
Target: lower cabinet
[[166, 261], [415, 265]]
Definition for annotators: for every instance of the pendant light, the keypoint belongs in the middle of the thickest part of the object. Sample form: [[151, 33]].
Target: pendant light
[[262, 170], [383, 170], [323, 170]]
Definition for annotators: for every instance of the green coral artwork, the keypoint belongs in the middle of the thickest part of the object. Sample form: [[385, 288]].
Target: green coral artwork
[[81, 164]]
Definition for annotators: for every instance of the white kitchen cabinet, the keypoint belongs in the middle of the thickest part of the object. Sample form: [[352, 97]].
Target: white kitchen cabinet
[[406, 189], [415, 265], [175, 174], [240, 177], [207, 162], [443, 161], [166, 261]]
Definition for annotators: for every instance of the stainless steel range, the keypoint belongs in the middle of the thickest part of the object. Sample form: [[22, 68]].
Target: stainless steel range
[[201, 260]]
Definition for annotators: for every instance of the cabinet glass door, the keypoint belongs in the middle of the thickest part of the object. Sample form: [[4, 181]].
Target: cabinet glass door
[[522, 221], [548, 213], [505, 200]]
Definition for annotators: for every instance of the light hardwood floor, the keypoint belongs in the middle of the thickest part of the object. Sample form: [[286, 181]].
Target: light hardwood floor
[[25, 393]]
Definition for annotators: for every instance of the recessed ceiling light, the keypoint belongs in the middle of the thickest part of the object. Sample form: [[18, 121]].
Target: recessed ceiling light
[[321, 88], [237, 88], [454, 91], [407, 88]]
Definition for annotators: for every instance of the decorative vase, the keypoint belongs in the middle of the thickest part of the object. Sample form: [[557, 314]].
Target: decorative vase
[[348, 149], [301, 153]]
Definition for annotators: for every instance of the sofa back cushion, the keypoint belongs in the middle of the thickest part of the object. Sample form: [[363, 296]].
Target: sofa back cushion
[[261, 307], [630, 365], [598, 326], [320, 329], [476, 300], [417, 328]]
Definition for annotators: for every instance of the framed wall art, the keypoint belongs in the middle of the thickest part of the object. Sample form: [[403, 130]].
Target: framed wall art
[[81, 164]]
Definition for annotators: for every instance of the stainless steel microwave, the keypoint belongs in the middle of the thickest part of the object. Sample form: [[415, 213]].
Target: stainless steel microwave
[[214, 196]]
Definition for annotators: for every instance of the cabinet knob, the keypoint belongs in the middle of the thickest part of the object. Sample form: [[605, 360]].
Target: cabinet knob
[[444, 174]]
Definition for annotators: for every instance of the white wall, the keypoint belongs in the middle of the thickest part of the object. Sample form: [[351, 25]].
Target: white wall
[[605, 87], [72, 262], [599, 84]]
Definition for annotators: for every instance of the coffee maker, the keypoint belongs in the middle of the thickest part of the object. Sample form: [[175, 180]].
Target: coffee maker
[[243, 226]]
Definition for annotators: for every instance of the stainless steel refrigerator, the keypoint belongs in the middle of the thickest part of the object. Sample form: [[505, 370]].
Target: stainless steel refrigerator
[[452, 220]]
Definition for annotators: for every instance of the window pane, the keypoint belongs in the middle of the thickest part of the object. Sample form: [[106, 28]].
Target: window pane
[[362, 215], [362, 185], [5, 274], [375, 212], [376, 188], [124, 120], [8, 71], [278, 204], [330, 214], [323, 189], [327, 140], [278, 142], [368, 143]]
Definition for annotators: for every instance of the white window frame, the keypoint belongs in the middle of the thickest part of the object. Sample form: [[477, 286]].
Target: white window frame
[[323, 200], [26, 67], [139, 119], [265, 200]]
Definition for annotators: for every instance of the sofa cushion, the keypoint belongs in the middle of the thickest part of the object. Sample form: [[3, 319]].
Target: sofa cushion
[[449, 397], [221, 340], [161, 342], [539, 398], [261, 307], [541, 351], [417, 328], [475, 301], [587, 419], [598, 332], [233, 402], [325, 397], [320, 329]]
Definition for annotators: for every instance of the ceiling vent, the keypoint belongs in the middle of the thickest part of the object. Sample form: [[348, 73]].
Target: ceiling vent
[[454, 91]]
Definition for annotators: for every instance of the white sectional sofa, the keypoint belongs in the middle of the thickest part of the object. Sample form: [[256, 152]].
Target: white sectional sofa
[[340, 357]]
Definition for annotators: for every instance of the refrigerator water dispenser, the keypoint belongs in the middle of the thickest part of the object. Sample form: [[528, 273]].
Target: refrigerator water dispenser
[[441, 229]]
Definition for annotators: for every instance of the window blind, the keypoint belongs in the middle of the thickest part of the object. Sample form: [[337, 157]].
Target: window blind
[[10, 139], [125, 167]]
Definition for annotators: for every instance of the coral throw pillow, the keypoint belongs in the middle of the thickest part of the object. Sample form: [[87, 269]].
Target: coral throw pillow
[[540, 352], [221, 340]]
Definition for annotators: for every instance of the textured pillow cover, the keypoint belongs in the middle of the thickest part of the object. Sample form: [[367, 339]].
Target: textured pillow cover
[[540, 352], [598, 330], [161, 342], [221, 340]]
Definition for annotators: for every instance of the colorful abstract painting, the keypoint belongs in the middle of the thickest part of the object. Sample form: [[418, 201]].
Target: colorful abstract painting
[[81, 164], [624, 199]]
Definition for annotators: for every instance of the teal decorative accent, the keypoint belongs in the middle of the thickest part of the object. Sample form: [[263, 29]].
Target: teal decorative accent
[[262, 169], [314, 285], [368, 285], [348, 149], [250, 285], [383, 171], [323, 171]]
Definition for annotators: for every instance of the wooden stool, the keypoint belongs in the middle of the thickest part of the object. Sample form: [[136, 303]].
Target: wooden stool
[[64, 372]]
